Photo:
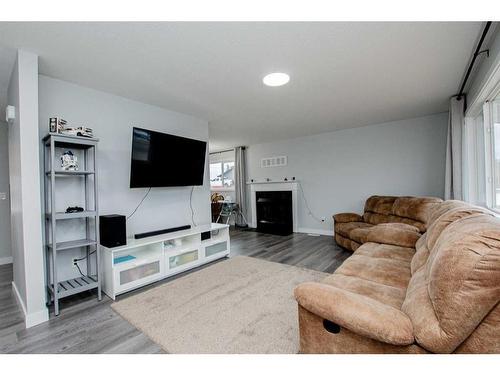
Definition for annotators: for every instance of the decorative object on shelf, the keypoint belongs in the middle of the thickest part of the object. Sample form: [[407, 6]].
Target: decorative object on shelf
[[80, 131], [70, 210], [56, 124], [69, 162], [124, 258]]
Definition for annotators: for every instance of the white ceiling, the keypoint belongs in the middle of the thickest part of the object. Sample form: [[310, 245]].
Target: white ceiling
[[342, 74], [7, 60]]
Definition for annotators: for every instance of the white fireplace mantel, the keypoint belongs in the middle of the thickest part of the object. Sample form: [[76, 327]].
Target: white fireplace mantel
[[274, 186]]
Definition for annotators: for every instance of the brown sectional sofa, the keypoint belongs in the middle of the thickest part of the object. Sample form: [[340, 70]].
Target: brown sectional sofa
[[350, 228], [441, 295]]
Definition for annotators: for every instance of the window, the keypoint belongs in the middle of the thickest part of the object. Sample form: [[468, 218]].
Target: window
[[492, 127], [496, 153], [481, 146], [222, 175]]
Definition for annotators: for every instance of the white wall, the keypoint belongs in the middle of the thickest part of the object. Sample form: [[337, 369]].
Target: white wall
[[5, 252], [112, 118], [340, 169], [26, 215]]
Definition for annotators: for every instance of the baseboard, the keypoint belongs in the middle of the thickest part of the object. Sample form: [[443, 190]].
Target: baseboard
[[31, 319], [6, 260], [323, 232]]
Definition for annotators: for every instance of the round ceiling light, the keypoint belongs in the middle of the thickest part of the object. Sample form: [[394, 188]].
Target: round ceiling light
[[276, 79]]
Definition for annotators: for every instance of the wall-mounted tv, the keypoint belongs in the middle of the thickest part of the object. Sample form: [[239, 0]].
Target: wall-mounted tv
[[160, 159]]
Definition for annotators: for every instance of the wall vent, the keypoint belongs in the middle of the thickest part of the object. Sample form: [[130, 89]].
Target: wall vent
[[275, 161]]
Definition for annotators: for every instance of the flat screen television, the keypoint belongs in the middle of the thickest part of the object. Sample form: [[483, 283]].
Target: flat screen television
[[160, 159]]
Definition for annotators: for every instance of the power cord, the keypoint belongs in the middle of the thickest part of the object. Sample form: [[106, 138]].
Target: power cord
[[76, 260], [307, 205], [139, 205], [191, 206], [85, 257], [79, 270]]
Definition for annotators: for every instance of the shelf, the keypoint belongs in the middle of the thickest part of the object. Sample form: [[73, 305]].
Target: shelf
[[73, 244], [74, 286], [70, 141], [70, 173], [73, 215]]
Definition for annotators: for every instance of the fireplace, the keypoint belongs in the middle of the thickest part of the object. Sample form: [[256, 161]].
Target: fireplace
[[274, 212]]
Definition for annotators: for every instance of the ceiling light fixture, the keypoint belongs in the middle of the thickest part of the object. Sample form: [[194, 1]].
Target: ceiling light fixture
[[276, 79]]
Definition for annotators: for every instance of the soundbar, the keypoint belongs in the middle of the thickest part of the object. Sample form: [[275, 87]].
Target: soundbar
[[161, 231]]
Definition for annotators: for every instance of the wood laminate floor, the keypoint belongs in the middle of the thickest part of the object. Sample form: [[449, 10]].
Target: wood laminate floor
[[88, 326]]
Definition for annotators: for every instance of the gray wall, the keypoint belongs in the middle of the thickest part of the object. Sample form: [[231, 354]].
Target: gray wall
[[339, 170], [26, 215], [5, 251], [112, 118]]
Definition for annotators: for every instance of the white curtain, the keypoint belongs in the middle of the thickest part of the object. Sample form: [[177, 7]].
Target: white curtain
[[454, 149], [240, 184]]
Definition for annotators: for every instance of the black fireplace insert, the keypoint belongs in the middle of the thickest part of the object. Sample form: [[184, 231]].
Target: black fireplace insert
[[274, 212]]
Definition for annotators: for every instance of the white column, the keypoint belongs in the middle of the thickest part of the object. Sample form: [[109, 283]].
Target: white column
[[26, 212]]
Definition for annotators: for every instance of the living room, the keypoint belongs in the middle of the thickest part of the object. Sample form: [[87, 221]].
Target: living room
[[250, 187]]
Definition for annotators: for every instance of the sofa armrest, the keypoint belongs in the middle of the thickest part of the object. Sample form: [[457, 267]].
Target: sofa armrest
[[394, 234], [347, 217], [359, 314]]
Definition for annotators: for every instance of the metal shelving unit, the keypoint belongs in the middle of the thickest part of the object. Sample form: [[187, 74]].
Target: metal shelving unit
[[92, 278]]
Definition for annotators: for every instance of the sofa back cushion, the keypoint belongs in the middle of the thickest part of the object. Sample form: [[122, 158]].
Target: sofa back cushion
[[438, 225], [378, 204], [408, 210], [444, 207], [415, 208], [448, 298]]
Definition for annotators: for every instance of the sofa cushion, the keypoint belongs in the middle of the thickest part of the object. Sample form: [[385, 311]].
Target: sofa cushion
[[377, 250], [344, 229], [380, 204], [421, 254], [385, 271], [394, 234], [355, 245], [459, 285], [415, 208], [418, 224], [360, 234], [439, 224], [375, 219], [343, 241], [347, 217], [438, 210], [389, 295]]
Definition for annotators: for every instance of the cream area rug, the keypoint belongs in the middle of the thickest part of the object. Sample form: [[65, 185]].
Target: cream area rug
[[241, 305]]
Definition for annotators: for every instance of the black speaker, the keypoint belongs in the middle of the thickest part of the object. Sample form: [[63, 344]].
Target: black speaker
[[113, 230]]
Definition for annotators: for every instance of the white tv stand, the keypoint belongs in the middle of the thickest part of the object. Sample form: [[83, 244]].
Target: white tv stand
[[155, 258]]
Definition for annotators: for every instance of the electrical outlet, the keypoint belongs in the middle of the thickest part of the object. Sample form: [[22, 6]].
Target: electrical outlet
[[74, 262]]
